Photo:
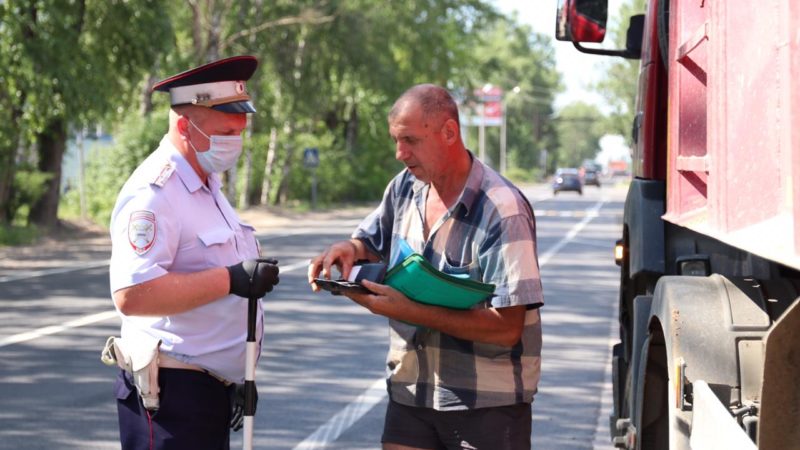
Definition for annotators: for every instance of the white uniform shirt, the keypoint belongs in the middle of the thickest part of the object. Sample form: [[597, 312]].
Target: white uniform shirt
[[166, 220]]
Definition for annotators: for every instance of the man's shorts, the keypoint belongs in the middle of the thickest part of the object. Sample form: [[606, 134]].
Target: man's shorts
[[498, 428]]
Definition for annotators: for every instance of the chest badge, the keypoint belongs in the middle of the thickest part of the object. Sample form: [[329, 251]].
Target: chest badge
[[142, 231]]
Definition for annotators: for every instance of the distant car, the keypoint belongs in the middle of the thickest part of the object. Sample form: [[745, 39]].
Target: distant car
[[591, 177], [567, 180]]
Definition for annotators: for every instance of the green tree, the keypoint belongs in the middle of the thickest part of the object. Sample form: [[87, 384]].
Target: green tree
[[328, 74], [362, 61], [109, 167], [329, 82], [523, 64], [621, 79], [580, 127], [67, 64]]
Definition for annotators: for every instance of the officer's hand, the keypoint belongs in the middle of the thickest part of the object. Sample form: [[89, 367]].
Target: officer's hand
[[237, 406], [254, 277]]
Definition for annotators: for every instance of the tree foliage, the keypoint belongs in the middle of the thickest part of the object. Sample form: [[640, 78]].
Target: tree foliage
[[329, 72], [523, 64], [330, 84], [64, 64], [580, 127], [109, 166], [621, 79]]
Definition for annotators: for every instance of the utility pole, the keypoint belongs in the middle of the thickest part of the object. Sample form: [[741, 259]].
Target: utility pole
[[503, 138], [482, 134], [81, 172]]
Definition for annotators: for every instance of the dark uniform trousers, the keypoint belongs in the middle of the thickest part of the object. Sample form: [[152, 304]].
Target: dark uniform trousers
[[194, 413]]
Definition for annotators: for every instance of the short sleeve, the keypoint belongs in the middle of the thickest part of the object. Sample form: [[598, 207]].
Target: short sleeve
[[376, 229], [508, 260], [144, 238]]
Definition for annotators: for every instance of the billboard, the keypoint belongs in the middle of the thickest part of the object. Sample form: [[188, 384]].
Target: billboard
[[485, 108]]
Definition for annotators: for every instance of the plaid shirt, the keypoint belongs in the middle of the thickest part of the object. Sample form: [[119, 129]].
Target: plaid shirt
[[489, 234]]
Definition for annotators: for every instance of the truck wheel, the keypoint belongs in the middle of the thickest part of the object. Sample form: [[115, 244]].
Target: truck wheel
[[661, 419]]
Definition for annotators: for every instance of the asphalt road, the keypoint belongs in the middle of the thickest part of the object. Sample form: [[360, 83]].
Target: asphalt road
[[320, 376]]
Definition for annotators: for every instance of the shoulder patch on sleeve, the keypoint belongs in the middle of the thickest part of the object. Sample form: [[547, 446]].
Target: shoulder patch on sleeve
[[163, 175], [142, 231]]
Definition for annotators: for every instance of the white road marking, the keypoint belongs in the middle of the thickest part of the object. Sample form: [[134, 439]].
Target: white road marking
[[93, 318], [41, 273], [295, 266], [53, 329], [101, 263], [591, 213], [344, 419]]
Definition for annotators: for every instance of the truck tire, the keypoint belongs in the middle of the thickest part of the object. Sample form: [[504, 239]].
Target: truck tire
[[652, 411]]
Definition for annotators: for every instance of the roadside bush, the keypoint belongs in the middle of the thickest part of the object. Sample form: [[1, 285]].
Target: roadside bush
[[18, 235], [108, 168], [29, 186], [520, 175]]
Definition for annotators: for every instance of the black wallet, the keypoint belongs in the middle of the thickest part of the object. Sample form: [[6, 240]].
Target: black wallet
[[366, 271]]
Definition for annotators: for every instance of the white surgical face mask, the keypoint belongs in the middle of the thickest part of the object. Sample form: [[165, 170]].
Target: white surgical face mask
[[222, 153]]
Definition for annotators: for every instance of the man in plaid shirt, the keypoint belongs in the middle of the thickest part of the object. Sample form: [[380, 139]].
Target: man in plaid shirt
[[457, 379]]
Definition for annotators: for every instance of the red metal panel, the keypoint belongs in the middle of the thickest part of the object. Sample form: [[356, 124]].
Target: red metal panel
[[791, 131], [687, 191], [649, 152], [734, 114], [752, 109]]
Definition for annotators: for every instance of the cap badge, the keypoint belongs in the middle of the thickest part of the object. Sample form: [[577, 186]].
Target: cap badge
[[240, 87]]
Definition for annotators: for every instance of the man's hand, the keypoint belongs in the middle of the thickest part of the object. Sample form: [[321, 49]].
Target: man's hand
[[342, 254], [254, 277], [237, 406], [383, 300]]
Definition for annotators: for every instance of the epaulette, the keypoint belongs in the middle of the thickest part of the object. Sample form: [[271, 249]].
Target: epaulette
[[163, 175]]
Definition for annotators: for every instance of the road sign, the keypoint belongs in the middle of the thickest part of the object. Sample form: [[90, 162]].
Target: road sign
[[311, 157]]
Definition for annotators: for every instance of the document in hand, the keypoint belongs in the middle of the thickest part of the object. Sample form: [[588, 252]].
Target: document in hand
[[420, 281]]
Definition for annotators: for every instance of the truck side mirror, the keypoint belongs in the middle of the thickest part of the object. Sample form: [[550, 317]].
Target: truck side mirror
[[581, 20], [633, 40], [585, 20]]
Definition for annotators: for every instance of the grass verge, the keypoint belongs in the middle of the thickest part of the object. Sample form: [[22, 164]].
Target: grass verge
[[18, 235]]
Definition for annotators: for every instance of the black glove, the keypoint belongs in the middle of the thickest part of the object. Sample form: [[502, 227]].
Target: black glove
[[237, 406], [254, 277]]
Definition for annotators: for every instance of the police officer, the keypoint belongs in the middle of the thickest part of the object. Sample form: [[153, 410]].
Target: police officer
[[183, 265]]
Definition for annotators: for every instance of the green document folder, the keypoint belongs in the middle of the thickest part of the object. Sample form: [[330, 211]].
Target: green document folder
[[420, 281]]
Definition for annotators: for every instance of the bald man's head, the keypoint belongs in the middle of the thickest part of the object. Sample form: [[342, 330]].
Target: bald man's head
[[433, 101]]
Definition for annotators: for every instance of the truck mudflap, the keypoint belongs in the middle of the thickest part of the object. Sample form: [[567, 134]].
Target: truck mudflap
[[779, 422], [713, 427]]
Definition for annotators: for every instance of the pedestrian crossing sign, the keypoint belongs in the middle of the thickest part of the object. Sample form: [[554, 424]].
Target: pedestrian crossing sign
[[311, 157]]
